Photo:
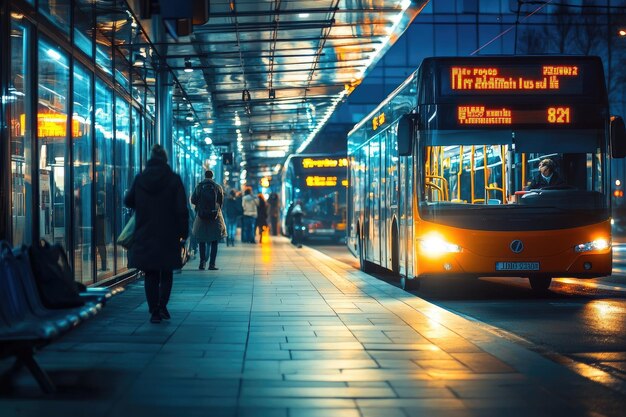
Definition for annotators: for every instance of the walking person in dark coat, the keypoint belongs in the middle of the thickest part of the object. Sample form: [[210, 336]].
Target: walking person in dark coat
[[274, 212], [232, 210], [161, 220], [261, 216], [208, 230], [238, 201], [296, 216]]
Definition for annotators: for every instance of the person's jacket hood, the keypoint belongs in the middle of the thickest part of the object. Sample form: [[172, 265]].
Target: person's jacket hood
[[154, 176]]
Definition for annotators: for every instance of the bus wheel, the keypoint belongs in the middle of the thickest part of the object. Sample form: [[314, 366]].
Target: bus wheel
[[409, 284], [540, 284]]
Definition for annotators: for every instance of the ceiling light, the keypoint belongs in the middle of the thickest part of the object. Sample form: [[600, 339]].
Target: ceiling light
[[139, 61], [273, 143], [188, 67], [189, 117], [53, 54], [208, 140], [303, 15]]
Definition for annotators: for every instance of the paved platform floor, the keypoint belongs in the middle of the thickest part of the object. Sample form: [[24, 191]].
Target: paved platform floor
[[287, 332]]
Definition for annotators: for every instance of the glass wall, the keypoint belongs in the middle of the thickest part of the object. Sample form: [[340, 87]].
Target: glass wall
[[82, 165], [52, 123], [104, 195], [123, 171], [76, 136], [135, 143], [20, 133], [83, 26], [57, 12]]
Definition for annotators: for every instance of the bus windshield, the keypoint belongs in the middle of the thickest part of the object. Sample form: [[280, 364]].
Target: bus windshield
[[475, 172], [323, 203]]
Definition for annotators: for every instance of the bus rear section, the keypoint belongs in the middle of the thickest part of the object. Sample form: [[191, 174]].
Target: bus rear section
[[317, 182]]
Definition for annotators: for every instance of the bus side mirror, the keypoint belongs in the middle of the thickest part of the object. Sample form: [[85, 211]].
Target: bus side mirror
[[618, 137], [406, 130]]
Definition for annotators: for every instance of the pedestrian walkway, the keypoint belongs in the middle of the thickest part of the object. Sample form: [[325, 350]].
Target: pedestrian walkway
[[286, 332]]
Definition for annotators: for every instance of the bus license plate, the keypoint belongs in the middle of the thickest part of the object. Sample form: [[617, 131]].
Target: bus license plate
[[517, 266], [323, 231]]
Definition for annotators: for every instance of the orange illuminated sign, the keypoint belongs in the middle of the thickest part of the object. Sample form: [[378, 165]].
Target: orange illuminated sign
[[480, 115], [324, 163], [494, 78], [559, 115], [52, 125], [321, 181]]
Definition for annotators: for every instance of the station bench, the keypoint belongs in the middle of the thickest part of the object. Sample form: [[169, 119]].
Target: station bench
[[26, 325]]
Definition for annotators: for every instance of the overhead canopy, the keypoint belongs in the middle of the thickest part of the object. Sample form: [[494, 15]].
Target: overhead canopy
[[267, 75]]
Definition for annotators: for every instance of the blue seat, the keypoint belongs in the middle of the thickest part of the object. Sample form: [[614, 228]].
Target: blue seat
[[25, 324]]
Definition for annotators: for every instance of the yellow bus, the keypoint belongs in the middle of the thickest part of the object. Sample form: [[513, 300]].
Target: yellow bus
[[445, 175]]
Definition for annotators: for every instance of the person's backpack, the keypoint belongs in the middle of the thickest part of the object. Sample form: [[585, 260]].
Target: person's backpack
[[54, 276], [207, 201]]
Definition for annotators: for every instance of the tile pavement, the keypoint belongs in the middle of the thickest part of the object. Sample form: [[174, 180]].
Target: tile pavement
[[287, 332]]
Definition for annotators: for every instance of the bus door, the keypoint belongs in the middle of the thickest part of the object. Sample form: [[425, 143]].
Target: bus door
[[383, 225], [373, 222], [368, 185], [404, 212]]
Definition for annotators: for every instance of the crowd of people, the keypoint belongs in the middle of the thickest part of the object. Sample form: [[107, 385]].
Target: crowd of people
[[158, 193]]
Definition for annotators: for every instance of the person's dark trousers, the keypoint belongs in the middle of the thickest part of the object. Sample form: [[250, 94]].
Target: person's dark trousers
[[274, 221], [247, 230], [158, 286], [102, 251], [212, 254]]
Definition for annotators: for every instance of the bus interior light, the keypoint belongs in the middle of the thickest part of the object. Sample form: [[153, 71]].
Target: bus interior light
[[434, 245], [598, 244]]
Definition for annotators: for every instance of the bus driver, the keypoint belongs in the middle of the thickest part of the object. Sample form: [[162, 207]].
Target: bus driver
[[547, 177]]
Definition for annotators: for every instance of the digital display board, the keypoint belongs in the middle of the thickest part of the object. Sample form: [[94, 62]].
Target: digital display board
[[483, 115], [520, 79], [321, 181], [530, 93], [308, 163]]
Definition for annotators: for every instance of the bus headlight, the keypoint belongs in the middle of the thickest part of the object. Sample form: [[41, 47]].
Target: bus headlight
[[435, 246], [598, 244]]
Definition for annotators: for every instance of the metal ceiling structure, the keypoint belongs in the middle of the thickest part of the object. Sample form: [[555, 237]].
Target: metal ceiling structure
[[263, 77]]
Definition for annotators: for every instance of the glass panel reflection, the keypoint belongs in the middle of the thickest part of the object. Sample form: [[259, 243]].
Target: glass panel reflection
[[104, 179], [83, 26], [52, 138], [58, 12], [123, 171], [135, 143], [20, 134], [82, 166]]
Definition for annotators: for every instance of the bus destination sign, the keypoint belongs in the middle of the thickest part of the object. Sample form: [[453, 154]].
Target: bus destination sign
[[308, 163], [527, 79], [483, 115]]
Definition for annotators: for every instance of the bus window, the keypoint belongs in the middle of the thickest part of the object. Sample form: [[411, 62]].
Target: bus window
[[458, 174]]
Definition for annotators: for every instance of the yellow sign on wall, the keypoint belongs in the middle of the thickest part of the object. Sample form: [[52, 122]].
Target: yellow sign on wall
[[52, 125]]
